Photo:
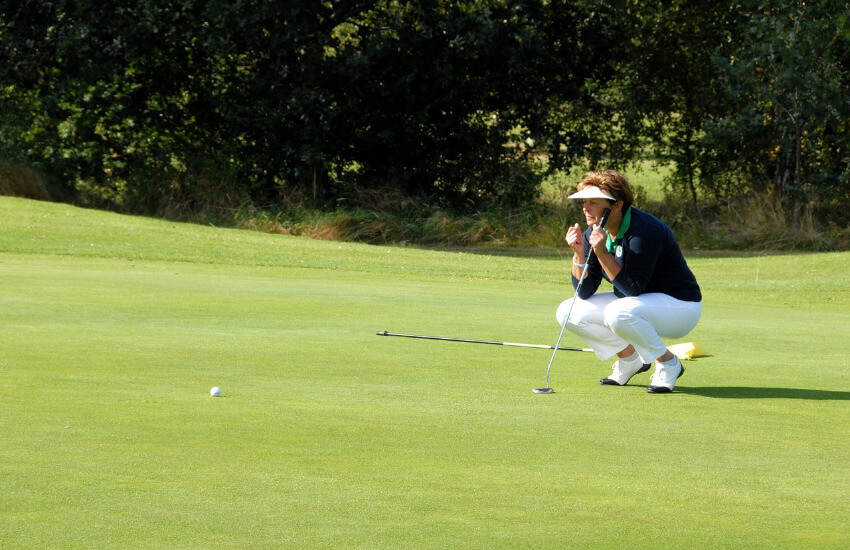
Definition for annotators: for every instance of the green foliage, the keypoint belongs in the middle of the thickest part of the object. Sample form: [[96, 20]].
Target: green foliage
[[435, 92], [786, 132], [667, 83], [139, 104], [167, 107]]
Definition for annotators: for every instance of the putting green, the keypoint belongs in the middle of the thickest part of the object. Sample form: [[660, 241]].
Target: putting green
[[114, 329]]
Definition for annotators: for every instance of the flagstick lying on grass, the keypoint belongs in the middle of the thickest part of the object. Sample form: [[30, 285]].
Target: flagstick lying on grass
[[685, 351]]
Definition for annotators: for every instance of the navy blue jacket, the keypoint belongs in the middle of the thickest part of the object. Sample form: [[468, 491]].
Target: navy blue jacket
[[651, 259]]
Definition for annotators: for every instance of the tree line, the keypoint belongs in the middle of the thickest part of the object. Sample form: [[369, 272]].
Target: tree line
[[144, 104]]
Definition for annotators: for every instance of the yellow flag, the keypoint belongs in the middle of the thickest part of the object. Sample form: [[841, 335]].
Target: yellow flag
[[687, 350]]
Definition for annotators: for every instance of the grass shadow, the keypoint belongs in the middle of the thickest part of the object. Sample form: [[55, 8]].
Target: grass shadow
[[739, 392]]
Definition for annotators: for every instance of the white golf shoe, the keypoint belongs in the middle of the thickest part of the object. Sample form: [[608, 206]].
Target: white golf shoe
[[665, 376], [623, 372]]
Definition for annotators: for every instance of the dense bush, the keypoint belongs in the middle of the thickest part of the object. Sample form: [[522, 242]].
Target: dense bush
[[160, 107]]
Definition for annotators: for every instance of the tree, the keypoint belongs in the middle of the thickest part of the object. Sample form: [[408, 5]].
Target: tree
[[146, 103], [442, 96], [666, 86], [103, 87], [788, 81]]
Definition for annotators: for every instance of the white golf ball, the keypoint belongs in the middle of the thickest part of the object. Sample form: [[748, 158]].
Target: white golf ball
[[215, 392]]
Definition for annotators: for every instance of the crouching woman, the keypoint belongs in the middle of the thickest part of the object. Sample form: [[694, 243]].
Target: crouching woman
[[655, 293]]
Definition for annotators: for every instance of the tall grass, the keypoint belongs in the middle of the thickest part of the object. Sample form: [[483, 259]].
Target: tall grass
[[526, 227], [749, 223], [16, 181]]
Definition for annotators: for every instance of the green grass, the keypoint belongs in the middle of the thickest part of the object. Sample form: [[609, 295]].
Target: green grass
[[114, 329]]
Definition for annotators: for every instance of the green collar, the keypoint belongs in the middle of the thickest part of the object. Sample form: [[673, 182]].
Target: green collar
[[611, 244]]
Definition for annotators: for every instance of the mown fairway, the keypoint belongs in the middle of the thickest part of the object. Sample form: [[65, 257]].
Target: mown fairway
[[113, 329]]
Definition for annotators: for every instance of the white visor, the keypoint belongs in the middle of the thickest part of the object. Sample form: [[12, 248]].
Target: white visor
[[591, 192]]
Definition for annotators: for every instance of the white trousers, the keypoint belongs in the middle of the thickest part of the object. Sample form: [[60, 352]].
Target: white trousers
[[609, 324]]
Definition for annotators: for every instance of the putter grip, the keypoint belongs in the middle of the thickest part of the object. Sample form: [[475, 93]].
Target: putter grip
[[604, 219], [602, 222]]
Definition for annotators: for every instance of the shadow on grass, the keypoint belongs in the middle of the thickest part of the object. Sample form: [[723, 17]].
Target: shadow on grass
[[738, 392]]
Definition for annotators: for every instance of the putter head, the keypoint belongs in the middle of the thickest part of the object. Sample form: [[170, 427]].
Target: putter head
[[543, 390]]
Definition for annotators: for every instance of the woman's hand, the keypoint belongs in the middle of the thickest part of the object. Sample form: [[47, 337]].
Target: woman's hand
[[597, 240], [575, 239]]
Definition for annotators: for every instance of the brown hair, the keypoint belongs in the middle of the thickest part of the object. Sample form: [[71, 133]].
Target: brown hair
[[613, 183]]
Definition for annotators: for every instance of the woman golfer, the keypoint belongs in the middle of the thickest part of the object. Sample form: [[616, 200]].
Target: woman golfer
[[655, 294]]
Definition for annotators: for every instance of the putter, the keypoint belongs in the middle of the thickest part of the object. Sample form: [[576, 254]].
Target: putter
[[548, 388]]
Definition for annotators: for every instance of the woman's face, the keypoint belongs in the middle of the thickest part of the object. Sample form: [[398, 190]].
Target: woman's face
[[593, 209]]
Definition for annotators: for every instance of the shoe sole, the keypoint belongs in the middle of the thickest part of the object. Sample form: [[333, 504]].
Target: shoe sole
[[664, 389], [611, 382]]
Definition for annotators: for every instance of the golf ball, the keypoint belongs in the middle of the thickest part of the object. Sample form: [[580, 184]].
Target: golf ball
[[215, 392]]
